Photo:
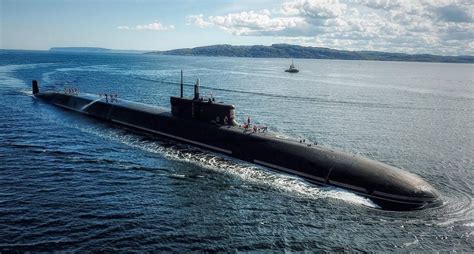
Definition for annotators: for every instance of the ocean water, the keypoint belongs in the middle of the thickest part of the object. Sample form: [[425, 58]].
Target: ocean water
[[72, 183]]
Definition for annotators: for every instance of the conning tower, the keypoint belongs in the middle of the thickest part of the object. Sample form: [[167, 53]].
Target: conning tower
[[203, 110]]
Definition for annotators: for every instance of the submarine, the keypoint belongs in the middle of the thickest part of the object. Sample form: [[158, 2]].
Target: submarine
[[211, 125]]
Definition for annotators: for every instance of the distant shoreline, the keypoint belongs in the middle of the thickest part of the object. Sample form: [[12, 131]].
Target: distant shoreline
[[283, 51], [301, 52]]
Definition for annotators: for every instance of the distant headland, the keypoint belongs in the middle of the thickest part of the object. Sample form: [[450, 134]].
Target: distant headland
[[282, 51], [295, 51]]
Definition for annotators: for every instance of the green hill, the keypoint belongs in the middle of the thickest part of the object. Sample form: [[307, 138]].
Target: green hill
[[295, 51]]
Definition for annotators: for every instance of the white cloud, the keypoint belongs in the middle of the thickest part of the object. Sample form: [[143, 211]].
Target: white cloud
[[248, 23], [156, 26], [317, 9], [424, 26], [197, 20], [380, 4]]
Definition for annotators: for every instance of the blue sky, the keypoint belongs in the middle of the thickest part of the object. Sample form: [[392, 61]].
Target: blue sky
[[411, 26]]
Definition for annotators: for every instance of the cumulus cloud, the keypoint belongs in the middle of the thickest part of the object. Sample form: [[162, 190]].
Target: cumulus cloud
[[156, 26], [379, 4], [197, 20], [317, 9], [424, 26], [248, 23]]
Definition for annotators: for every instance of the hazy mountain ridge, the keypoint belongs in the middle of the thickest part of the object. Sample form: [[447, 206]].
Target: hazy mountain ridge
[[295, 51]]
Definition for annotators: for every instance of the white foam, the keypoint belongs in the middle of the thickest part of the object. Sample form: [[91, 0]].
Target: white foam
[[89, 68], [27, 92], [416, 241], [245, 171]]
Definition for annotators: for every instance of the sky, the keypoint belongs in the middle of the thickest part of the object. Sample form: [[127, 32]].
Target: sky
[[409, 26]]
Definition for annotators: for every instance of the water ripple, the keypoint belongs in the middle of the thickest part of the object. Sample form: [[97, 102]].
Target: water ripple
[[70, 183]]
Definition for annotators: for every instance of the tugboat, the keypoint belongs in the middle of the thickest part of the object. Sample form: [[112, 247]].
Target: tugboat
[[292, 68], [211, 125]]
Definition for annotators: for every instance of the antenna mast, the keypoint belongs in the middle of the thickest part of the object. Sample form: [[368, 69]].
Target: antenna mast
[[181, 83]]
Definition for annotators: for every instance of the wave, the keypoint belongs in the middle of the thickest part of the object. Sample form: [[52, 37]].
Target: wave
[[7, 79]]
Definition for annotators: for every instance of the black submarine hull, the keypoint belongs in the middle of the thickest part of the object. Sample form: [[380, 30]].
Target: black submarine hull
[[388, 187]]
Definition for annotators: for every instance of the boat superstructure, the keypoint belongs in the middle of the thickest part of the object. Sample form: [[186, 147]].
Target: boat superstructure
[[292, 68]]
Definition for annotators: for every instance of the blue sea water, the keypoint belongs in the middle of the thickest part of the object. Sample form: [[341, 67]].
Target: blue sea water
[[72, 183]]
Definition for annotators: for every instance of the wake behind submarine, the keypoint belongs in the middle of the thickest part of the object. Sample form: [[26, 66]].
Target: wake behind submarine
[[211, 125]]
